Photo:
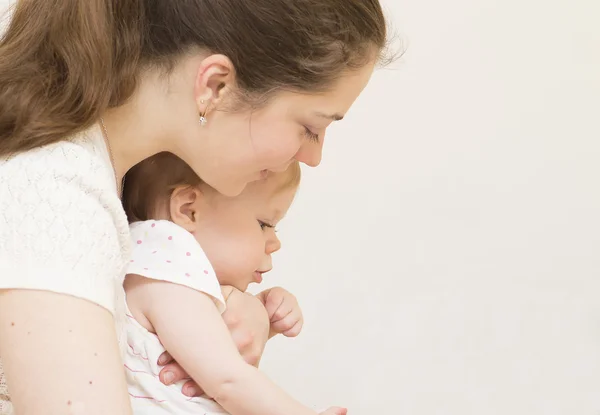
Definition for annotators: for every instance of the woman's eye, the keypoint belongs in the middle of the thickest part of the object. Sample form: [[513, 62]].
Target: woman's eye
[[311, 135]]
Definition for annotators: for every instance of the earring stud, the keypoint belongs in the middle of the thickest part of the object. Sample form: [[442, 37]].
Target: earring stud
[[203, 119]]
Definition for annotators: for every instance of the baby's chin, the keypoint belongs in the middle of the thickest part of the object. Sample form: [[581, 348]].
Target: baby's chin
[[231, 277], [238, 285], [243, 287]]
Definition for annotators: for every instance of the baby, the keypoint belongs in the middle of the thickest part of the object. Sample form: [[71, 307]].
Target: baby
[[188, 241]]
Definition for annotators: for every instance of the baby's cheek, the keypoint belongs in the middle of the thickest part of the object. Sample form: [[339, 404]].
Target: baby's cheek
[[229, 274]]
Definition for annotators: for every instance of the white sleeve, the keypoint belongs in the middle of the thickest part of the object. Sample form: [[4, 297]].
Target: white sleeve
[[60, 232], [164, 251]]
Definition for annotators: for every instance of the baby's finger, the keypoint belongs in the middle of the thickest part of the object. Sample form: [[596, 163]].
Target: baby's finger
[[282, 312], [284, 324], [335, 411], [295, 330], [273, 304]]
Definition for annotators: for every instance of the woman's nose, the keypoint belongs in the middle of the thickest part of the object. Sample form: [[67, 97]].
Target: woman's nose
[[310, 153]]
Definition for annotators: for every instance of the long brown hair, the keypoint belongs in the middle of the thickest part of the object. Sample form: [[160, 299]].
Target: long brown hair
[[64, 62]]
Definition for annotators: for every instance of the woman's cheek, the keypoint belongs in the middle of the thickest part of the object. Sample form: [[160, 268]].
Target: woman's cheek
[[285, 141]]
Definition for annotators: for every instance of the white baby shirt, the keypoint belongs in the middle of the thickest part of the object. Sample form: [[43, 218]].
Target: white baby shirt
[[164, 251]]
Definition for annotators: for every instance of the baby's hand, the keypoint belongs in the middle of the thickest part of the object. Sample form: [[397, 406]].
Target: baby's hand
[[335, 411], [284, 312]]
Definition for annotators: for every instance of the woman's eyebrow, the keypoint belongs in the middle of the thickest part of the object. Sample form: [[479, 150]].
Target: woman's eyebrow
[[334, 117]]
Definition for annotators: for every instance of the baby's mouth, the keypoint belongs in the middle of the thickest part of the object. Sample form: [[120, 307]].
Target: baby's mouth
[[258, 277]]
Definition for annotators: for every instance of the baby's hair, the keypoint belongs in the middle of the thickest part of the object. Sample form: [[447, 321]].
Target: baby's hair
[[148, 186]]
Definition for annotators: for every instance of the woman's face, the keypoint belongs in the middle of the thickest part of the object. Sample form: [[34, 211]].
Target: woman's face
[[240, 147]]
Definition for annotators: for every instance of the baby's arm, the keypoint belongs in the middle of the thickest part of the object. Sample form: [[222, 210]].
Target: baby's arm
[[182, 317]]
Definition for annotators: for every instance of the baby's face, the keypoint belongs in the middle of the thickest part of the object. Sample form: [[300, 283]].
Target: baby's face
[[238, 233]]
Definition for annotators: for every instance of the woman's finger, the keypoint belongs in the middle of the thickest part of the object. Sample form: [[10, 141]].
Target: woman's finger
[[247, 346], [192, 389], [242, 338], [231, 319], [172, 373], [165, 358]]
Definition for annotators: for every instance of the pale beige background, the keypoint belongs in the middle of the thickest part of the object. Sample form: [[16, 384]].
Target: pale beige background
[[447, 252]]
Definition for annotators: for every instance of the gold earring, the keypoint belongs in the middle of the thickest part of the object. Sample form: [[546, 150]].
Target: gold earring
[[203, 119]]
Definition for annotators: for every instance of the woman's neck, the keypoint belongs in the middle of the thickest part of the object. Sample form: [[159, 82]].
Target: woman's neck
[[137, 129], [153, 119], [128, 141]]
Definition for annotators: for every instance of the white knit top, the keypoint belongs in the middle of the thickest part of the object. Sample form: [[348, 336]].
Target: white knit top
[[62, 226]]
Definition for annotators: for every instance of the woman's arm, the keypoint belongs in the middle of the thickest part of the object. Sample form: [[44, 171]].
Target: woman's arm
[[60, 355], [214, 362], [63, 244]]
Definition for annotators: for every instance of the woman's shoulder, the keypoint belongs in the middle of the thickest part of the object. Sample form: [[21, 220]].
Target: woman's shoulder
[[63, 190], [62, 225], [81, 159]]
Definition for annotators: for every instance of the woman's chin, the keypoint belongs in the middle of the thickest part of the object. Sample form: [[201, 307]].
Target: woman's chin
[[231, 189], [261, 175]]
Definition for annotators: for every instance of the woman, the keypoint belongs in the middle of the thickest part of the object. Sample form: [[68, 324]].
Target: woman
[[89, 88]]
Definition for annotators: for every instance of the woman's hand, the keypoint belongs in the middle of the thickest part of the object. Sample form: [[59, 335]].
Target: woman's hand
[[284, 312], [248, 323]]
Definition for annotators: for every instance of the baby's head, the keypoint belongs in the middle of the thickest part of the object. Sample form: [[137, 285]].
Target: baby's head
[[236, 233]]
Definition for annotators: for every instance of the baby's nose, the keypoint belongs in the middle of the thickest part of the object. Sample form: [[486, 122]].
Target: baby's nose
[[273, 245]]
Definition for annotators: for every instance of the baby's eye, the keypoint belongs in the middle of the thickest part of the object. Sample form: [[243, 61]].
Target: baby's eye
[[265, 225]]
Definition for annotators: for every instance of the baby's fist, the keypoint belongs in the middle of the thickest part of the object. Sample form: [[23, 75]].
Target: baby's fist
[[335, 411], [284, 312]]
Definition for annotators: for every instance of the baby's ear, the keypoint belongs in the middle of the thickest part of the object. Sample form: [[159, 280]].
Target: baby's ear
[[186, 205]]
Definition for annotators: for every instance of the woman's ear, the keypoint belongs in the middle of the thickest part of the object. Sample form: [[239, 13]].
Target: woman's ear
[[185, 206], [214, 80]]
